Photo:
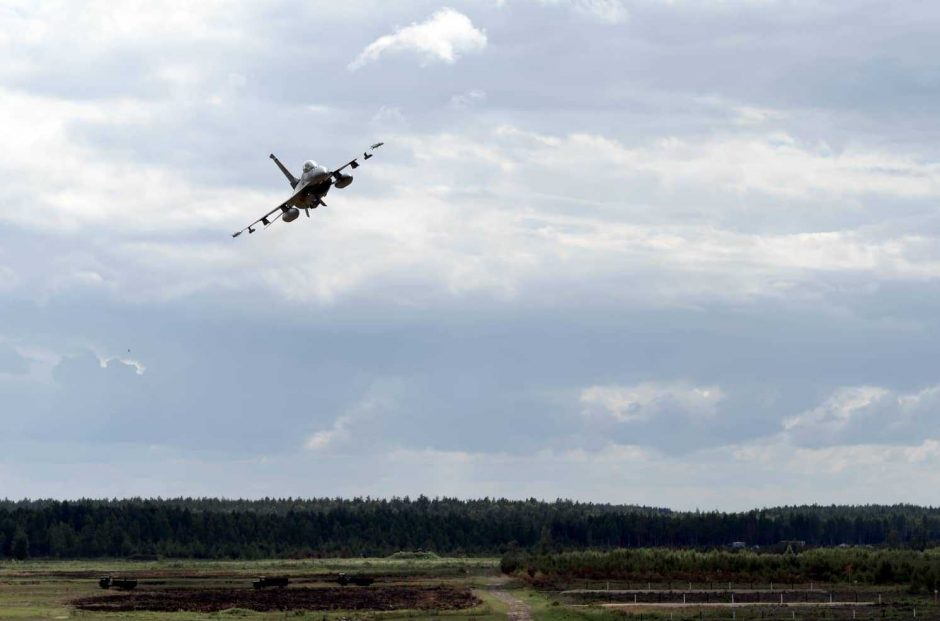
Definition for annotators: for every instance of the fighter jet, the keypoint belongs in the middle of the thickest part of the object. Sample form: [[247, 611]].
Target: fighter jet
[[309, 189]]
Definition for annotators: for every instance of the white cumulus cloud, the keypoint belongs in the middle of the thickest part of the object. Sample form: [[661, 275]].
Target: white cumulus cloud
[[867, 414], [649, 399], [443, 37]]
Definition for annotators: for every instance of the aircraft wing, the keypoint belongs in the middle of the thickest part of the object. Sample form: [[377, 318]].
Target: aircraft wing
[[266, 219], [354, 163]]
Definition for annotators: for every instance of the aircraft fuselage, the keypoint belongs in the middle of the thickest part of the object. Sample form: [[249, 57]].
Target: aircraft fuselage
[[314, 195], [314, 184]]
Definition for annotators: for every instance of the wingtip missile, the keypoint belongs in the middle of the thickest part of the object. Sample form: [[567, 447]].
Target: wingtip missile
[[236, 234], [377, 145]]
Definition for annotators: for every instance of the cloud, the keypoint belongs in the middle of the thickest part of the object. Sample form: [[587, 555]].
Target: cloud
[[388, 116], [443, 37], [138, 366], [97, 190], [641, 402], [467, 99], [730, 195], [855, 461], [606, 11], [695, 208], [867, 414], [11, 361], [356, 427], [609, 11], [8, 277]]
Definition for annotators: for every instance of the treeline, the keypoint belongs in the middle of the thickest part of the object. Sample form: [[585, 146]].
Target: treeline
[[920, 570], [213, 528]]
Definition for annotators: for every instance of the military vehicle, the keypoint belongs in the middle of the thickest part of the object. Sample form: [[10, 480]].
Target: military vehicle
[[264, 582], [125, 584], [344, 579]]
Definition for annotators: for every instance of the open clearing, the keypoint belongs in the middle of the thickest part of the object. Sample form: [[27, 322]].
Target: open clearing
[[424, 590], [172, 590]]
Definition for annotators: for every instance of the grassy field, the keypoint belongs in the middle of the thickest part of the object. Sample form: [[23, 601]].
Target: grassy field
[[49, 589], [44, 589]]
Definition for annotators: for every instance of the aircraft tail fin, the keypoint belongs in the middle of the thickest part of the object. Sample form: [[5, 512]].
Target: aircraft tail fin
[[293, 180]]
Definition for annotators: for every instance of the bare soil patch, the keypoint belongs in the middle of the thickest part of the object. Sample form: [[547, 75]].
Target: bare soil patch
[[213, 600]]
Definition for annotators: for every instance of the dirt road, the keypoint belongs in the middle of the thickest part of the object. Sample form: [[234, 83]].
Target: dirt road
[[518, 609]]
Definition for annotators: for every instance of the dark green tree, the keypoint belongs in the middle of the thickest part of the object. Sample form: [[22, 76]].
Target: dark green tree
[[19, 548]]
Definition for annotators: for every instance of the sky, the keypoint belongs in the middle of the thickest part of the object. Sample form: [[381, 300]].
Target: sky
[[666, 252]]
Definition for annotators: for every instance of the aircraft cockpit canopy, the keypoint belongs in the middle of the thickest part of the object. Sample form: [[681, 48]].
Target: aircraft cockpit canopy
[[309, 165]]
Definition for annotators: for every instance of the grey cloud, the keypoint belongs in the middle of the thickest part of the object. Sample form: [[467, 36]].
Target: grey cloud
[[868, 415], [717, 194], [11, 361]]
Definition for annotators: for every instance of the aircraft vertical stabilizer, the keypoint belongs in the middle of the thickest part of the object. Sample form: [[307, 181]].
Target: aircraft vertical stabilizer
[[293, 180]]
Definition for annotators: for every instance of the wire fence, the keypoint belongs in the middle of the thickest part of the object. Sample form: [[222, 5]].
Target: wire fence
[[714, 601], [830, 614]]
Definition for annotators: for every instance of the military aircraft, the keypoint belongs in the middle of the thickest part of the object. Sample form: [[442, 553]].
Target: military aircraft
[[309, 189]]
